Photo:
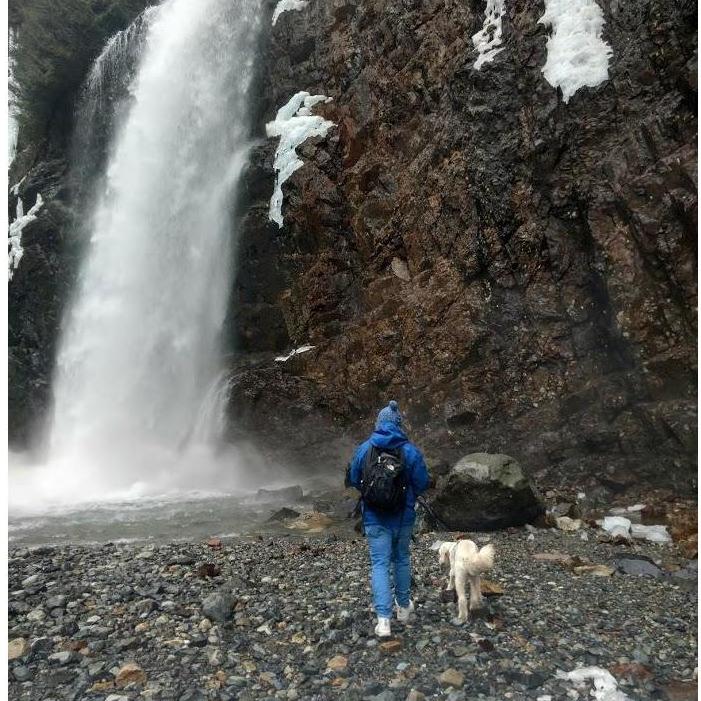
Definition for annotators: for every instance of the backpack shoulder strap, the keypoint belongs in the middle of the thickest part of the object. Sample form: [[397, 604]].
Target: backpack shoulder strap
[[370, 455]]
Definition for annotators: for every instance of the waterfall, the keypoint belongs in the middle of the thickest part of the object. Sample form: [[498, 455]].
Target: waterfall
[[102, 108], [141, 342], [12, 112], [211, 419]]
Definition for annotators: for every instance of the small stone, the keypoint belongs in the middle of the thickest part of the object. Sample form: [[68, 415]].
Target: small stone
[[96, 668], [337, 663], [634, 670], [181, 560], [451, 677], [41, 646], [284, 514], [638, 565], [62, 658], [215, 657], [217, 607], [22, 673], [127, 644], [193, 695], [312, 521], [208, 569], [390, 646], [490, 588], [565, 523], [677, 690], [214, 543], [415, 695], [31, 580], [36, 615], [56, 602], [19, 647], [595, 570], [385, 695], [130, 673], [102, 685]]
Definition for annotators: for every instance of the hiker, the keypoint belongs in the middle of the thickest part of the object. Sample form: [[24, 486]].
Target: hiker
[[390, 473]]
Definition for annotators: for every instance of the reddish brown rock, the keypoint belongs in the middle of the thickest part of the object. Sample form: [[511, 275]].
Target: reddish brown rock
[[129, 673], [519, 273], [632, 670]]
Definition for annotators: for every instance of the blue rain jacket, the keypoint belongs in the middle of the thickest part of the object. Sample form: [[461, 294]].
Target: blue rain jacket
[[390, 437]]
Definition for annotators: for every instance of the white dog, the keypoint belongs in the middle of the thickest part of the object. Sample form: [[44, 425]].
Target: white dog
[[466, 561]]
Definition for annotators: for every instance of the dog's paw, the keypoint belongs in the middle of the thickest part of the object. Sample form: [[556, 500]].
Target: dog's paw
[[458, 621]]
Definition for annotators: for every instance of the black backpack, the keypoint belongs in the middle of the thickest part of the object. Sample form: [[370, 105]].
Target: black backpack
[[383, 484]]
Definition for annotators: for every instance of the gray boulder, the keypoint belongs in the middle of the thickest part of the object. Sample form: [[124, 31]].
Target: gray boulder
[[484, 492], [218, 606]]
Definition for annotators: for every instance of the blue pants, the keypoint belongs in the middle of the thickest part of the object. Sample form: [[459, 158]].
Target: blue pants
[[389, 547]]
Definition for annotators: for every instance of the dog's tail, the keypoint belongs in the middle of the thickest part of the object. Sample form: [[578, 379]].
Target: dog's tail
[[481, 561]]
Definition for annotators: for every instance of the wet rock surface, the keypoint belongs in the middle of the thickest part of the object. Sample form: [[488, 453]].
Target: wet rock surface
[[518, 272], [296, 623]]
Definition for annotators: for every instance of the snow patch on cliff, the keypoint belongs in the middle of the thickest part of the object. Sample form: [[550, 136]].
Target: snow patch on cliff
[[294, 124], [291, 354], [488, 40], [577, 55], [285, 5], [14, 240]]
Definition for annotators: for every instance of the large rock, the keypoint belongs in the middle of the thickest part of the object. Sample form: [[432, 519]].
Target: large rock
[[485, 492], [218, 606]]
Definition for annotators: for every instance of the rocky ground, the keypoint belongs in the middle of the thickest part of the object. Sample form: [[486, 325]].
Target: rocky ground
[[289, 617]]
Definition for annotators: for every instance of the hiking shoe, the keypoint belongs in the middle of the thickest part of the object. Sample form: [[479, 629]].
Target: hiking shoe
[[382, 629], [403, 612]]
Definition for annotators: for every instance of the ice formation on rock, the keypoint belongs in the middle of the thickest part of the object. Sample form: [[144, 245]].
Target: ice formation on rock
[[577, 55], [294, 124]]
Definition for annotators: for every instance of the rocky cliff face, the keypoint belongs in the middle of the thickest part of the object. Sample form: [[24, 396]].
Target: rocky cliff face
[[518, 272], [39, 290]]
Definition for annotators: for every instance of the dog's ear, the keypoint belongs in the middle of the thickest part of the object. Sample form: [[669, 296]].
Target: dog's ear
[[437, 544]]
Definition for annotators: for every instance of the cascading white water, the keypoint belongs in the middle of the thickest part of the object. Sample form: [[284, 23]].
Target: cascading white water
[[12, 125], [141, 342]]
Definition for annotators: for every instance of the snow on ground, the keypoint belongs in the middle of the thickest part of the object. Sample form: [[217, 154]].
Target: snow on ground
[[577, 55], [294, 124], [285, 5], [605, 685], [488, 40], [14, 240]]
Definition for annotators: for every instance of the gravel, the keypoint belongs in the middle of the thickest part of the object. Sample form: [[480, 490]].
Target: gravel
[[290, 618]]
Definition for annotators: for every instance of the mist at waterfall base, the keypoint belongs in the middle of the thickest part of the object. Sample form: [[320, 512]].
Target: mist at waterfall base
[[141, 344]]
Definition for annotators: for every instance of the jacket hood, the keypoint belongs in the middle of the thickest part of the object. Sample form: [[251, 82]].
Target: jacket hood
[[388, 436]]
